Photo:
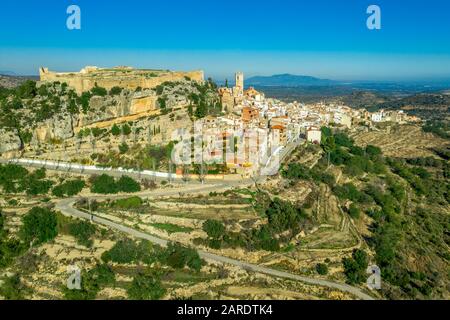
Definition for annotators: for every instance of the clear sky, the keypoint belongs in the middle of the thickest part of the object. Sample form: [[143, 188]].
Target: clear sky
[[324, 38]]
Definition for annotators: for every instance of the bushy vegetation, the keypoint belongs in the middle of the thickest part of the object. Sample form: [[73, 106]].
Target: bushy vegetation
[[43, 103], [127, 203], [354, 211], [10, 247], [401, 227], [322, 269], [104, 184], [355, 267], [92, 282], [439, 128], [340, 150], [406, 201], [39, 225], [83, 232], [13, 288], [69, 188], [123, 148], [423, 183], [179, 257], [139, 158], [16, 179], [214, 229], [283, 218], [126, 129], [201, 103], [99, 91], [129, 251], [146, 287], [296, 171], [115, 130], [171, 228], [115, 91], [127, 184], [175, 255]]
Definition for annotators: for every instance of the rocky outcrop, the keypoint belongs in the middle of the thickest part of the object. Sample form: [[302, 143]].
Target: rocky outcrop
[[110, 107], [9, 140], [142, 103], [59, 127]]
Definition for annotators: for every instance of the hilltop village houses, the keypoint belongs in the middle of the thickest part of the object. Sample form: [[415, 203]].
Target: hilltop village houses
[[281, 123]]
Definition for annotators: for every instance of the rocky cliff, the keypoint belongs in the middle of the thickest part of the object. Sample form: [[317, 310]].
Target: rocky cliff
[[9, 141]]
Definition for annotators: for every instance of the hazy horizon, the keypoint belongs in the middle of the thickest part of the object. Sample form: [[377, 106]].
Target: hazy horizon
[[325, 39]]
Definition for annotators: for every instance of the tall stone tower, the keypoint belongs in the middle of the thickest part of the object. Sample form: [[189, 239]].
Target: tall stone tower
[[239, 83]]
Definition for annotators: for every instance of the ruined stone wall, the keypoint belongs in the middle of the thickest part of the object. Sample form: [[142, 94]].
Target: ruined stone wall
[[71, 79]]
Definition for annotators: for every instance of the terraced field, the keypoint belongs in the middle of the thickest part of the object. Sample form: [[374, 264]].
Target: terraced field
[[403, 141]]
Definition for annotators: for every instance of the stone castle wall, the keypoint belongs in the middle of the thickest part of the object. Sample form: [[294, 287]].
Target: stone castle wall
[[127, 78]]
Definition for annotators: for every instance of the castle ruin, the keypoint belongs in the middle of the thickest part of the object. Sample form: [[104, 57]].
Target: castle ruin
[[124, 77]]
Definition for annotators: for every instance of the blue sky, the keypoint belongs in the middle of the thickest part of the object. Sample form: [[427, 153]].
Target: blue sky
[[324, 38]]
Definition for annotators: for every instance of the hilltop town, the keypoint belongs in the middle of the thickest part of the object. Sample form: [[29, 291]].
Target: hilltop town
[[158, 105]]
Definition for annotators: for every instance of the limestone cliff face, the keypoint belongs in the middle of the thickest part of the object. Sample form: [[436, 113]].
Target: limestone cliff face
[[9, 141], [110, 107], [141, 104], [57, 114]]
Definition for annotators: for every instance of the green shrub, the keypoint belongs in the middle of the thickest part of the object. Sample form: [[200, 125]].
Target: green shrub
[[115, 130], [347, 191], [127, 184], [99, 91], [264, 239], [123, 148], [13, 288], [322, 269], [39, 225], [171, 228], [69, 188], [104, 275], [353, 211], [82, 231], [283, 215], [178, 257], [126, 129], [373, 151], [128, 203], [123, 251], [91, 283], [215, 229], [355, 267], [145, 287], [296, 171], [115, 91], [36, 187], [104, 184], [27, 90]]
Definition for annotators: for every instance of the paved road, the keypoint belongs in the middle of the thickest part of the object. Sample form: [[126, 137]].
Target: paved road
[[66, 207], [74, 167]]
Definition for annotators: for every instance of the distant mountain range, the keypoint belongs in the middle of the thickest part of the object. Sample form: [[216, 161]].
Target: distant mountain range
[[289, 80], [302, 82]]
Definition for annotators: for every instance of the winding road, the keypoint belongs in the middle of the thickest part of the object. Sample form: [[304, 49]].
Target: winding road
[[66, 206]]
